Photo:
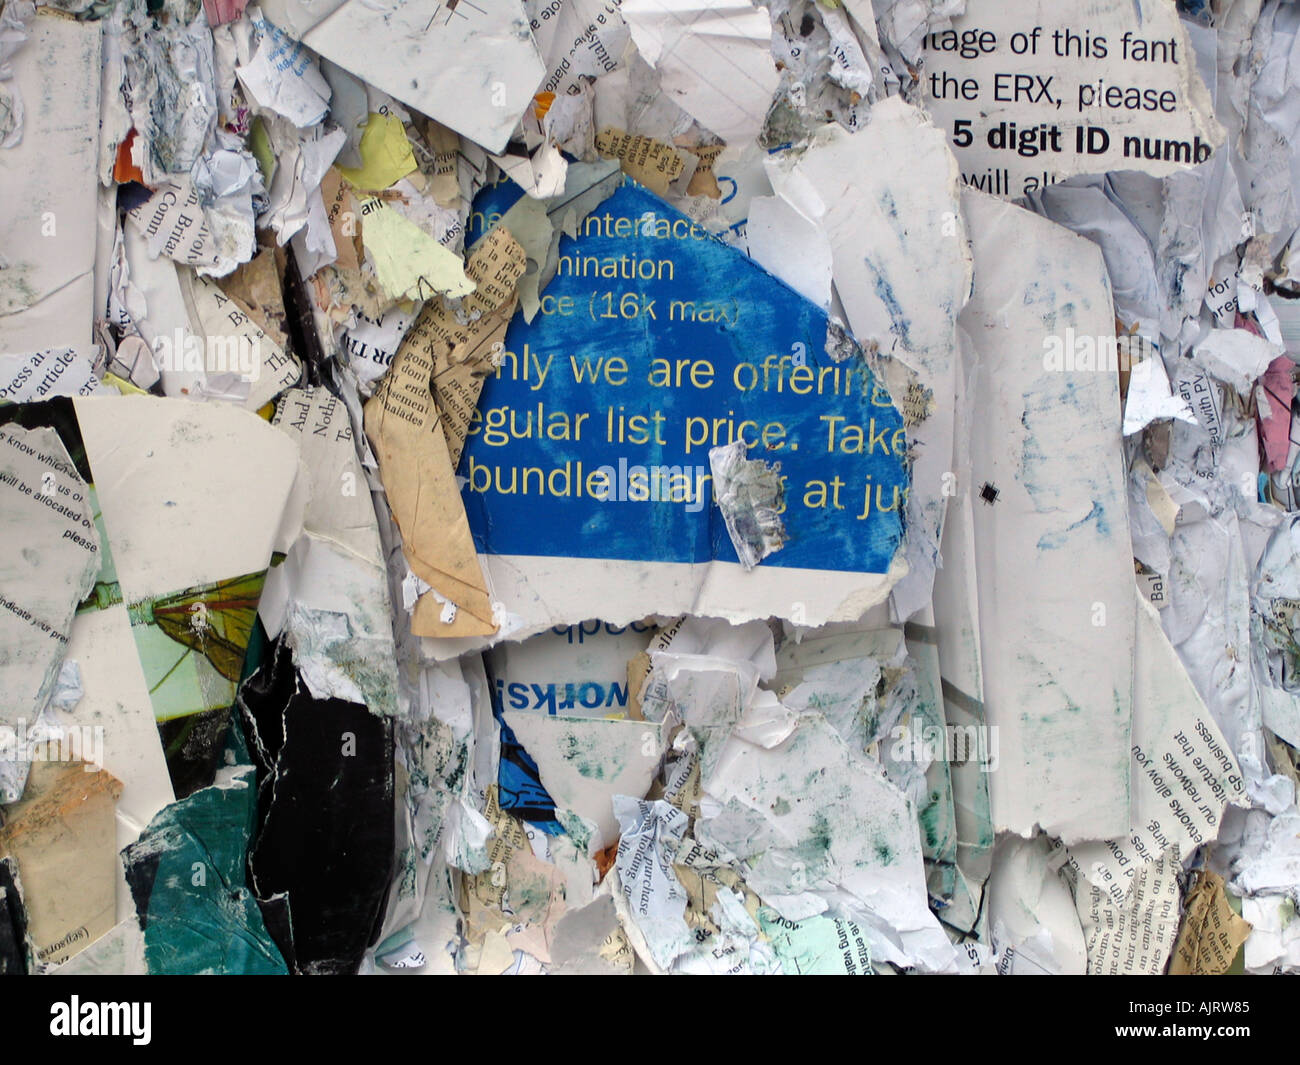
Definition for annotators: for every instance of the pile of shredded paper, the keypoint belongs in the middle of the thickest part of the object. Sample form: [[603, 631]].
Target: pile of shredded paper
[[649, 486]]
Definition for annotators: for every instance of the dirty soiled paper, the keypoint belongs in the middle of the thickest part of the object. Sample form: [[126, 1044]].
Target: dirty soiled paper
[[1056, 604], [432, 56], [583, 763], [761, 805], [1183, 772], [62, 840], [1211, 933], [901, 296], [51, 557], [47, 245]]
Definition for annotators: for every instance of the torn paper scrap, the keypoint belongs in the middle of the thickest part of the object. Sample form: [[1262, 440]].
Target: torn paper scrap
[[1057, 613], [651, 892], [1183, 771], [469, 66], [47, 248], [657, 344], [52, 557], [330, 595], [1133, 938], [1211, 934], [714, 57], [1031, 93], [61, 838], [751, 496], [405, 431], [583, 763]]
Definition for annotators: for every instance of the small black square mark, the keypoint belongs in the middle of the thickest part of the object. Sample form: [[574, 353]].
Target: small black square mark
[[989, 494]]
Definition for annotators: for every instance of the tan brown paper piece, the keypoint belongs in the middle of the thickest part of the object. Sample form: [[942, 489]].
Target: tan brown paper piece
[[1211, 933], [407, 434], [443, 185], [257, 288], [653, 163], [462, 354], [704, 182], [63, 838], [345, 220]]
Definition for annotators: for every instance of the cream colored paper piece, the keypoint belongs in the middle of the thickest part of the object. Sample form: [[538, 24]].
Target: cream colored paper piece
[[1032, 920], [239, 360], [191, 493], [1183, 773], [116, 702]]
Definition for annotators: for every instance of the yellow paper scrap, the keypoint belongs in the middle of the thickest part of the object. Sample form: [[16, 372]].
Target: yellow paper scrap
[[409, 262], [386, 155]]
